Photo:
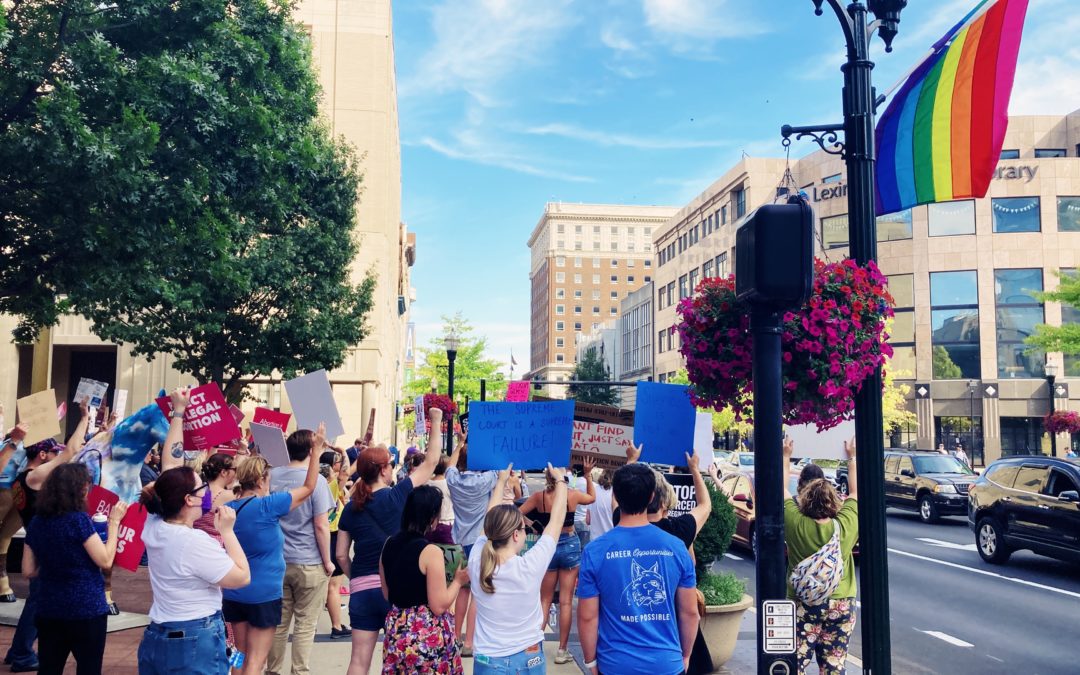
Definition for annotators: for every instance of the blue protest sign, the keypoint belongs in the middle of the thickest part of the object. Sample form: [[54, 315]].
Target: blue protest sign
[[528, 434], [664, 422]]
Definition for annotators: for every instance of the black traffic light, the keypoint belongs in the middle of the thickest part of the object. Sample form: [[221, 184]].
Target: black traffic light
[[774, 255]]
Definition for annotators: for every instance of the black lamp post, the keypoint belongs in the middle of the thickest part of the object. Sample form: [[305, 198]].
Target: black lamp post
[[1051, 378], [452, 342], [971, 399], [859, 154]]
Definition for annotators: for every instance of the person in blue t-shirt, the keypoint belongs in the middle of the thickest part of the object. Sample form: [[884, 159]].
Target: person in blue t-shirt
[[637, 604]]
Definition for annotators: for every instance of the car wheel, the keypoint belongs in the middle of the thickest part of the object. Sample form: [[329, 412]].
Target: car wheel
[[988, 540], [927, 509], [841, 487]]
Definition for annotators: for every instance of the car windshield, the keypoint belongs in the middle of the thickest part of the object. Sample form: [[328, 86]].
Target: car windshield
[[746, 460], [941, 464]]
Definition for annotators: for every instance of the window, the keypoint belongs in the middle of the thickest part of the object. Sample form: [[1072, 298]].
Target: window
[[560, 228], [560, 325], [630, 231], [1070, 315], [648, 231], [1010, 154], [560, 293], [596, 279], [671, 293], [723, 215], [630, 262], [560, 244], [660, 341], [834, 231], [954, 324], [614, 295], [596, 310], [560, 261], [739, 197], [560, 277], [614, 230], [648, 279], [559, 358], [835, 178], [595, 326], [1049, 153], [596, 263], [902, 336], [951, 218], [614, 279], [1068, 209], [596, 246], [577, 326], [1031, 478], [706, 269], [1018, 312], [596, 229], [577, 293], [906, 465], [693, 279], [577, 247], [660, 297], [648, 263], [683, 288], [577, 261], [560, 342], [577, 309], [894, 226], [630, 280], [1002, 474], [892, 464], [721, 265], [614, 262], [560, 309], [577, 229], [1016, 214], [614, 246], [577, 278], [595, 294], [630, 246], [614, 311]]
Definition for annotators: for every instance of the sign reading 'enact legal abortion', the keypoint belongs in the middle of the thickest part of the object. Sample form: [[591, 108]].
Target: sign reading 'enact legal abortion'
[[207, 420], [527, 434]]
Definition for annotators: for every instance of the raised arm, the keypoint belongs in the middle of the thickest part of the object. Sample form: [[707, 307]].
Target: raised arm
[[103, 553], [78, 437], [173, 456], [311, 478], [852, 470], [36, 478], [12, 443], [425, 471], [789, 447], [589, 496], [703, 510], [558, 504], [500, 485]]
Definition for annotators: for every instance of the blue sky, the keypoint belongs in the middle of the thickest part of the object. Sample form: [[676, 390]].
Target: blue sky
[[508, 104]]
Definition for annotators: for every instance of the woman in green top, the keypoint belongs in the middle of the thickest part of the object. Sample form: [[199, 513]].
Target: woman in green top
[[824, 630]]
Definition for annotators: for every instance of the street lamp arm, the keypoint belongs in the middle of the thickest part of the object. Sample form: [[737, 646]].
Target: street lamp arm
[[847, 24], [826, 136]]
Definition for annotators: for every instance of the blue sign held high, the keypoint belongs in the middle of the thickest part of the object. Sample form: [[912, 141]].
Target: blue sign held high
[[664, 422], [528, 434]]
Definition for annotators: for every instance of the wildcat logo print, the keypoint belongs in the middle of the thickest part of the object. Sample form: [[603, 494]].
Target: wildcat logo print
[[646, 588]]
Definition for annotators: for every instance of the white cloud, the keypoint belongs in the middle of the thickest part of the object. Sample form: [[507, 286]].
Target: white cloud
[[490, 157], [609, 139], [1048, 72], [613, 38], [707, 20]]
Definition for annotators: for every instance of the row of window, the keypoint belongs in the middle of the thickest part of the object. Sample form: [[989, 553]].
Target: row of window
[[560, 278], [560, 294], [561, 309], [561, 326], [1040, 153], [665, 295], [709, 223], [578, 229], [560, 261], [614, 246]]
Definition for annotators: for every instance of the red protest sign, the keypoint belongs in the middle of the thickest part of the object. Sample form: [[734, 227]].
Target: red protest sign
[[517, 391], [271, 418], [130, 547], [237, 413], [207, 420]]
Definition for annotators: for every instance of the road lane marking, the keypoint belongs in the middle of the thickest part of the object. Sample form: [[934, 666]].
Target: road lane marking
[[1023, 582], [991, 656], [732, 556], [945, 637], [947, 544]]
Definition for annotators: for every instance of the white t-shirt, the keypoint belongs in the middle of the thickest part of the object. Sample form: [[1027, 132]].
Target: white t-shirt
[[508, 621], [185, 567], [446, 516], [600, 513], [579, 512]]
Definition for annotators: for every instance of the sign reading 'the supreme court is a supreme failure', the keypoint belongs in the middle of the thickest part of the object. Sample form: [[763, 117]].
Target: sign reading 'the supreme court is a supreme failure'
[[527, 434]]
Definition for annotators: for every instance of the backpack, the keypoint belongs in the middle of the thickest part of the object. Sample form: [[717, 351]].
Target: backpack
[[815, 579]]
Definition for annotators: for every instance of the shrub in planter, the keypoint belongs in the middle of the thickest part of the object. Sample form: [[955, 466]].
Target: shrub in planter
[[715, 536], [721, 589]]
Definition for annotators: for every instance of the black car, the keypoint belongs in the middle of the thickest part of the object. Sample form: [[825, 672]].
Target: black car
[[1027, 503], [929, 483], [840, 477]]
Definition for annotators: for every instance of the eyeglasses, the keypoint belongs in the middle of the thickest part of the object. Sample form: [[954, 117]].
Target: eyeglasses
[[194, 493]]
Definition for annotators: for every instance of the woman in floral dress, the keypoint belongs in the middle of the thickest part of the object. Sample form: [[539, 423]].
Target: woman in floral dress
[[419, 630]]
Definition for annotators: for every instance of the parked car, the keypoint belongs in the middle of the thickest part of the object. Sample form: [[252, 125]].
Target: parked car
[[1027, 503], [842, 472], [738, 486], [738, 461], [929, 483], [830, 472]]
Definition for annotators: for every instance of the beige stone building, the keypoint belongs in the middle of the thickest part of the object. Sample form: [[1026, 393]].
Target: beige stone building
[[354, 54], [585, 259], [962, 274]]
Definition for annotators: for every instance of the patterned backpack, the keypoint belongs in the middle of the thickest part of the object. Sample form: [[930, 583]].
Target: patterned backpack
[[817, 578]]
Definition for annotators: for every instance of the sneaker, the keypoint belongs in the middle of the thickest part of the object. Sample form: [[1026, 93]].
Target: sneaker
[[466, 652], [563, 656], [113, 609], [25, 668], [338, 633], [7, 597]]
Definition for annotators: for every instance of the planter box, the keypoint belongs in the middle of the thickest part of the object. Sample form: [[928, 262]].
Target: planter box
[[720, 628]]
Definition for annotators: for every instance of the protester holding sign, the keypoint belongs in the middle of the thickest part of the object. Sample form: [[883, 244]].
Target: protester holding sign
[[66, 554], [563, 568], [508, 613], [255, 610], [12, 455], [173, 456], [600, 510], [369, 519]]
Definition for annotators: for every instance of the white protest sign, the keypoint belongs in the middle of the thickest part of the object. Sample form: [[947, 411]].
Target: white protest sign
[[119, 405], [605, 443], [703, 436], [91, 391], [421, 416], [92, 420], [312, 402], [271, 443], [828, 444]]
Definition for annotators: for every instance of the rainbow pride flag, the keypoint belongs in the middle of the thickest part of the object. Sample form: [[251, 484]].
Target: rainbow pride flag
[[941, 136]]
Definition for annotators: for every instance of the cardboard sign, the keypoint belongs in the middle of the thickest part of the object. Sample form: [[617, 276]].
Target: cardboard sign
[[528, 434], [703, 435], [814, 444], [664, 422], [207, 420], [421, 416], [312, 402], [517, 391], [602, 433], [685, 497], [271, 418], [237, 413], [38, 412], [130, 546], [91, 391], [270, 442], [119, 403]]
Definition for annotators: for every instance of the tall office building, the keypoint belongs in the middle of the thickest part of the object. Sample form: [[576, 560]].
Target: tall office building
[[585, 259]]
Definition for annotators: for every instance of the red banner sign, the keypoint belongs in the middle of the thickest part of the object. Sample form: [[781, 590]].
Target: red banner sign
[[271, 418], [130, 547], [207, 419]]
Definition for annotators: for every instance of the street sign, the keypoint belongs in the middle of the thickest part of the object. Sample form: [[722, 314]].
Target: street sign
[[778, 626]]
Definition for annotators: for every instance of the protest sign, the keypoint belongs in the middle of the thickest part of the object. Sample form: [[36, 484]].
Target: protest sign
[[370, 433], [207, 420], [421, 416], [237, 413], [270, 442], [814, 444], [685, 498], [312, 402], [517, 391], [703, 436], [527, 434], [664, 423], [129, 545], [38, 412], [602, 433], [91, 391], [119, 403], [271, 418], [61, 410]]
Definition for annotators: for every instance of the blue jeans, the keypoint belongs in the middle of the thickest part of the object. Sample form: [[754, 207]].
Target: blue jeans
[[567, 553], [22, 653], [530, 660], [196, 646]]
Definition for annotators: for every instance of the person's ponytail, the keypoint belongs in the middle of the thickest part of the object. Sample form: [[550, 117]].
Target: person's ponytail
[[369, 464], [499, 526], [149, 498], [167, 495], [488, 562]]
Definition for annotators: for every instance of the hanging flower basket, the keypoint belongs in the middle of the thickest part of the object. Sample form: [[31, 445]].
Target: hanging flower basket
[[1062, 422], [443, 403], [830, 345]]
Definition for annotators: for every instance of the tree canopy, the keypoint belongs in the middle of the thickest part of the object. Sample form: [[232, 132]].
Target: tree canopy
[[591, 368], [471, 364], [1066, 337]]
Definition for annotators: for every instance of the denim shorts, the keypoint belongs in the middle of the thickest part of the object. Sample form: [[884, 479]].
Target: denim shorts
[[257, 614], [368, 609], [196, 646], [567, 553], [530, 660]]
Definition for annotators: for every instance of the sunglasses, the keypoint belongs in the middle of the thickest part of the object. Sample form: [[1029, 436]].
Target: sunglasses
[[195, 492]]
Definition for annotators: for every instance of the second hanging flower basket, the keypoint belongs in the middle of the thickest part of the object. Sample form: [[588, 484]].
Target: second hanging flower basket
[[1062, 422]]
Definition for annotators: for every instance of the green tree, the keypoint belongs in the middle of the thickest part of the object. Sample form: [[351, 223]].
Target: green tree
[[723, 419], [471, 365], [943, 366], [591, 368], [1064, 338], [894, 412]]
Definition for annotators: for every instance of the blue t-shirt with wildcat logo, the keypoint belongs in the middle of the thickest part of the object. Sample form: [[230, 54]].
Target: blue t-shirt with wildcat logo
[[636, 572]]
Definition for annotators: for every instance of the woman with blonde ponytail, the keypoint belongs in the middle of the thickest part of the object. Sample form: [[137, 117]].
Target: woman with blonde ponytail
[[507, 585]]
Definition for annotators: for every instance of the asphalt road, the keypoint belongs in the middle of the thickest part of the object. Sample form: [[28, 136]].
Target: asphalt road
[[952, 613]]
